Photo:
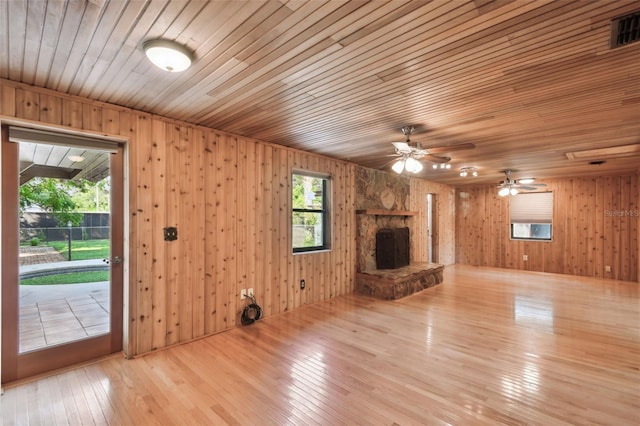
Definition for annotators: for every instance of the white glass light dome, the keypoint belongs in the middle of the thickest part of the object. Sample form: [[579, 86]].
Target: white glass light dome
[[168, 55]]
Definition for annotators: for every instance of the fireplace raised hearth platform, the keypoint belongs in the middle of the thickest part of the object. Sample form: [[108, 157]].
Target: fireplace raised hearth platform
[[391, 284]]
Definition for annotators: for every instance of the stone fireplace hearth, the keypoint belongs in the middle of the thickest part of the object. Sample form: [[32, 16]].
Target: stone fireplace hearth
[[391, 284]]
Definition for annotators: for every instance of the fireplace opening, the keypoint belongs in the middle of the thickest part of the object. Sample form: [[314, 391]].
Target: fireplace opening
[[392, 248]]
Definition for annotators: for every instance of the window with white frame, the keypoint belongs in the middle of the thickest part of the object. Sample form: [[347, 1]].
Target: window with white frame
[[531, 216], [310, 211]]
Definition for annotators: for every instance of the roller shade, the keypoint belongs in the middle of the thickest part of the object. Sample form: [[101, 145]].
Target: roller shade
[[533, 207], [312, 174]]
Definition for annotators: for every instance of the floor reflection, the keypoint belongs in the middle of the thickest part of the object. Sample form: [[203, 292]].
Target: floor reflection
[[534, 312]]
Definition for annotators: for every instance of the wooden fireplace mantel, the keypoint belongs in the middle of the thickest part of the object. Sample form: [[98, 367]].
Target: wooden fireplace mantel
[[387, 212]]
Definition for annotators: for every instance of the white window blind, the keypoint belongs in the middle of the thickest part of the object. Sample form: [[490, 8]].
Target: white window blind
[[533, 207]]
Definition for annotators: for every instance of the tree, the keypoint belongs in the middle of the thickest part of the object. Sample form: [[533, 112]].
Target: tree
[[93, 196], [307, 194], [54, 196]]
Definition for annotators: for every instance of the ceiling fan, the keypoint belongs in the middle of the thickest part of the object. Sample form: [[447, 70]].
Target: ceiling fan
[[513, 186], [410, 153]]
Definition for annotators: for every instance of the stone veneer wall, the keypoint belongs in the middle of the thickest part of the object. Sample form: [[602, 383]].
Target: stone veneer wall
[[378, 190]]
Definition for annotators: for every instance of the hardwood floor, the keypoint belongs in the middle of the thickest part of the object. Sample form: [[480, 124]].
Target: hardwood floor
[[488, 346]]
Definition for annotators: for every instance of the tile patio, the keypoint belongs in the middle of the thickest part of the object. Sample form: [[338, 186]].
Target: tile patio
[[60, 320]]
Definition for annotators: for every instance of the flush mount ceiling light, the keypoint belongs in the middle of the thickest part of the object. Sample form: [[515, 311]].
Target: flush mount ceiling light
[[76, 158], [168, 55], [466, 171]]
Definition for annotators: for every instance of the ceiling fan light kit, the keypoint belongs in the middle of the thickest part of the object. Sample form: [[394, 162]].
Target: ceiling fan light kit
[[412, 165], [409, 164], [398, 166], [411, 153], [514, 187]]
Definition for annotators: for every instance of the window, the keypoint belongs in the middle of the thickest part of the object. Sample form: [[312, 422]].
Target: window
[[310, 216], [531, 216]]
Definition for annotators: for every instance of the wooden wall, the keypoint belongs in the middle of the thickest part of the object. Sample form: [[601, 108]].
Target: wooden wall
[[595, 224], [230, 199], [444, 216]]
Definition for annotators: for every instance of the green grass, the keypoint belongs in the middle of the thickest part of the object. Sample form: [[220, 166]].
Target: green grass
[[83, 250], [71, 278]]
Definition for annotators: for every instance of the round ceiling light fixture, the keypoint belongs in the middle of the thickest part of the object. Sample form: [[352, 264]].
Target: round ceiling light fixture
[[168, 55], [76, 158]]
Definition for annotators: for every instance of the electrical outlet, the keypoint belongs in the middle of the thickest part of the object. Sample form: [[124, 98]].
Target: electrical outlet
[[525, 257], [607, 268], [302, 284], [250, 292], [243, 294]]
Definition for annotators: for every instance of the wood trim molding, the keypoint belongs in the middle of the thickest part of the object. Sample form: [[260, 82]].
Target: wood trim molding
[[386, 212], [9, 257]]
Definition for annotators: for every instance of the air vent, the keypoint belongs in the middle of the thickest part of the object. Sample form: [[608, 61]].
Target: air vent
[[625, 30]]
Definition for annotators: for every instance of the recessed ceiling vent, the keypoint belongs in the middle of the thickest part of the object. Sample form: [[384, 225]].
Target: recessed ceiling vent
[[625, 30]]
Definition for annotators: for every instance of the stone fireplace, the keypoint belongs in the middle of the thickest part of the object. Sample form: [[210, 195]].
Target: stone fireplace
[[382, 207]]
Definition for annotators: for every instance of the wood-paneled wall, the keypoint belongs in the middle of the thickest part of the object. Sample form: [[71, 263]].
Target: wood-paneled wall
[[230, 199], [445, 241], [595, 224]]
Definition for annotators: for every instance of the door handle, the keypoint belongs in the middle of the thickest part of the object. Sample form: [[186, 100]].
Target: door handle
[[116, 259]]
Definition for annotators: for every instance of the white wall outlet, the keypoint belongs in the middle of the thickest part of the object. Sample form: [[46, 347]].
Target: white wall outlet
[[607, 268], [250, 292], [525, 257], [243, 294]]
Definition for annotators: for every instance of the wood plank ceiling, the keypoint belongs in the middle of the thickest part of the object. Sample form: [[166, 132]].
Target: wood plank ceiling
[[525, 81]]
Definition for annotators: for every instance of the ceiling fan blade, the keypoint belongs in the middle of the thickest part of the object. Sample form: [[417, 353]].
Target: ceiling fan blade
[[436, 158], [450, 148], [402, 146], [526, 187], [388, 164]]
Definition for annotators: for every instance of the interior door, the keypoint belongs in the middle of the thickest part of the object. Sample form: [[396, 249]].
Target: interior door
[[432, 228], [54, 325]]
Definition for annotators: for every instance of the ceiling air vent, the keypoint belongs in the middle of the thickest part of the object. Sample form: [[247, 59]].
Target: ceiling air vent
[[625, 30]]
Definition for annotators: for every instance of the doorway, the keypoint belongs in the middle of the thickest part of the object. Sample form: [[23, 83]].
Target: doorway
[[62, 245], [432, 228]]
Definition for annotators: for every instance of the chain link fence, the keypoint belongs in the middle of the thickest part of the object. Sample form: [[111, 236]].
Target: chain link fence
[[43, 227], [61, 233]]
